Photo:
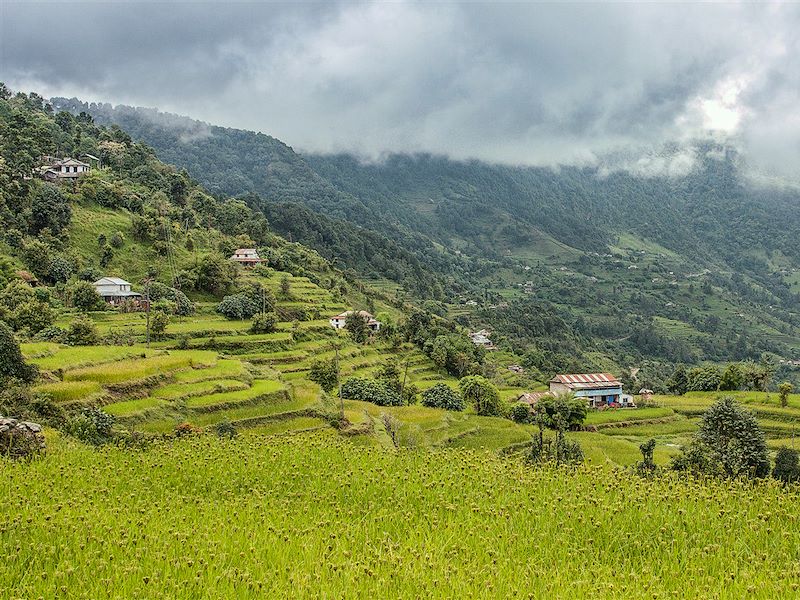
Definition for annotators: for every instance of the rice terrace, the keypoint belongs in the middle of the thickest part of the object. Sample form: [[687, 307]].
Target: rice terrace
[[408, 300]]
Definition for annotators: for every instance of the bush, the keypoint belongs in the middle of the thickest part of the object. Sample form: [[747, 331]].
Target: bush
[[52, 334], [787, 465], [93, 426], [82, 332], [442, 396], [563, 410], [85, 296], [12, 364], [482, 394], [520, 413], [117, 240], [182, 306], [323, 372], [264, 323], [226, 429], [729, 443], [158, 322], [33, 316], [237, 307], [371, 390]]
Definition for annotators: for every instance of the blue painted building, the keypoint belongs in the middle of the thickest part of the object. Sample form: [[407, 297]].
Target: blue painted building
[[599, 389]]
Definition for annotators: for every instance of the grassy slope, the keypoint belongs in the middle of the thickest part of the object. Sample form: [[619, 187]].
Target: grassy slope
[[313, 516]]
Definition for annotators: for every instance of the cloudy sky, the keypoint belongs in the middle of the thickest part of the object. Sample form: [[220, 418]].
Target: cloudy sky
[[515, 83]]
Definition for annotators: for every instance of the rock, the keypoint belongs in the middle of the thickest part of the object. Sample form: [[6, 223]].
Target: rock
[[20, 439]]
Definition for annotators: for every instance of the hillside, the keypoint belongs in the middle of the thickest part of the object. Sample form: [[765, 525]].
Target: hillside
[[636, 269]]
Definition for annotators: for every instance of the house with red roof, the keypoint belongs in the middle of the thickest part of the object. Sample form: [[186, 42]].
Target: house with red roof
[[599, 389]]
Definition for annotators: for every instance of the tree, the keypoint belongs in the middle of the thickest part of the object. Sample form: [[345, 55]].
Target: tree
[[356, 326], [704, 379], [117, 240], [323, 372], [158, 322], [443, 396], [732, 378], [264, 323], [106, 256], [647, 466], [237, 307], [371, 390], [32, 315], [36, 255], [784, 390], [12, 364], [729, 443], [50, 209], [60, 269], [82, 332], [85, 296], [285, 287], [787, 465], [678, 383], [215, 275], [482, 394], [565, 408]]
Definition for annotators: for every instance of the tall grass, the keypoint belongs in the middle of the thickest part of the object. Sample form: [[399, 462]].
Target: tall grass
[[314, 516]]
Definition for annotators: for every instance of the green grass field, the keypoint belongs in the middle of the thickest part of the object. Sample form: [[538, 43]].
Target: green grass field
[[316, 516]]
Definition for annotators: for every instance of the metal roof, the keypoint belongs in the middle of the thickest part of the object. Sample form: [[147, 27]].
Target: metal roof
[[587, 380], [111, 281]]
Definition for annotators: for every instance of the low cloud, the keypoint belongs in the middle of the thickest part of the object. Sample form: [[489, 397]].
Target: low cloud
[[540, 84]]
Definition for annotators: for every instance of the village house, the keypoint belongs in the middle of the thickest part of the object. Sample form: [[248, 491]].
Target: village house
[[599, 389], [531, 398], [339, 321], [65, 168], [94, 161], [115, 291], [481, 338], [247, 256]]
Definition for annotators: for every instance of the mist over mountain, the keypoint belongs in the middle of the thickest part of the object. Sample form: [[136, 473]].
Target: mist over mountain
[[691, 243]]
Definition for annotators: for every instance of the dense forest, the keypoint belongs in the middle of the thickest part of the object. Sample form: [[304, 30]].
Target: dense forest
[[691, 268]]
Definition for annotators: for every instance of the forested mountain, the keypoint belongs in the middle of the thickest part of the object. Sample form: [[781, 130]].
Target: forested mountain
[[701, 266]]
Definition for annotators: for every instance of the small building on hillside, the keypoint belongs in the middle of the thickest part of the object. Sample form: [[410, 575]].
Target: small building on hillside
[[481, 338], [531, 398], [115, 290], [339, 321], [94, 161], [599, 389], [65, 168], [247, 256]]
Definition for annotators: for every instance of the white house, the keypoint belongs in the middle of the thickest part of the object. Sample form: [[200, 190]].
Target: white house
[[115, 290], [599, 389], [247, 256], [481, 338], [66, 168], [339, 321]]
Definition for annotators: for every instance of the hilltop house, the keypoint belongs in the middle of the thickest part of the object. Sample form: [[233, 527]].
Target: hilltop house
[[115, 290], [65, 168], [247, 256], [599, 389], [338, 321]]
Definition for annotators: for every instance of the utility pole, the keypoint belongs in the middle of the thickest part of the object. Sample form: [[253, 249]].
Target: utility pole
[[339, 379], [147, 306]]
